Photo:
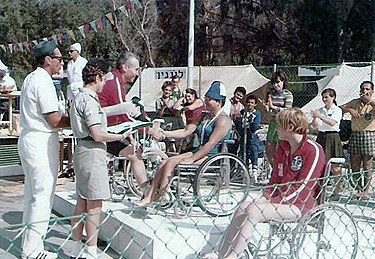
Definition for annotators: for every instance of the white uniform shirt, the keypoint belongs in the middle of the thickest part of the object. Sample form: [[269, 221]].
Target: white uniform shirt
[[335, 113], [9, 82], [74, 74], [38, 97]]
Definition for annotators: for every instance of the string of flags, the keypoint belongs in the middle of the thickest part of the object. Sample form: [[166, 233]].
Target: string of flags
[[96, 26]]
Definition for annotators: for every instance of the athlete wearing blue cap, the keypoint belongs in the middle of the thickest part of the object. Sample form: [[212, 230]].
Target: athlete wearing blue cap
[[212, 130]]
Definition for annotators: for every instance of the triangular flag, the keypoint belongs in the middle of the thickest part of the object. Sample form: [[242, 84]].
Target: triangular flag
[[138, 4], [26, 46], [65, 37], [104, 21], [87, 27], [20, 46], [93, 26], [124, 11], [71, 34], [99, 24], [3, 47], [54, 37], [82, 31], [110, 18], [10, 46], [60, 38], [130, 5]]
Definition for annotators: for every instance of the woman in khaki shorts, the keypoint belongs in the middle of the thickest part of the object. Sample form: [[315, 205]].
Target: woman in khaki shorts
[[89, 125]]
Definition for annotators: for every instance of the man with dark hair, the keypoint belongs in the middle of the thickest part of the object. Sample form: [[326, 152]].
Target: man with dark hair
[[362, 139], [236, 105], [38, 147]]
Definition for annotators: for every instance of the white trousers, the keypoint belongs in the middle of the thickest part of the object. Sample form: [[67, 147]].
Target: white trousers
[[39, 153]]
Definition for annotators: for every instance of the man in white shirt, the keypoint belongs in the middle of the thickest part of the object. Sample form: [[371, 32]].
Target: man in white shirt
[[74, 71], [38, 147]]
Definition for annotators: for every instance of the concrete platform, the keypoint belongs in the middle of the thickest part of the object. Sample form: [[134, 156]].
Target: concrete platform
[[150, 233]]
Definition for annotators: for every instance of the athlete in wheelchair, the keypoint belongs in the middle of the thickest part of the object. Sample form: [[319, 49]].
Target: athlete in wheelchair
[[298, 160], [212, 130]]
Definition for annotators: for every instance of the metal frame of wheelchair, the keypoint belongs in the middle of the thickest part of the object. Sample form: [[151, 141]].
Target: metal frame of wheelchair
[[287, 239]]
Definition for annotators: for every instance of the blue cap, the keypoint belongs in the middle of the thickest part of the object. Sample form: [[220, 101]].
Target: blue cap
[[216, 91]]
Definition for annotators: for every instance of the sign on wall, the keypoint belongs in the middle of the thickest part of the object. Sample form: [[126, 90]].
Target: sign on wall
[[167, 73]]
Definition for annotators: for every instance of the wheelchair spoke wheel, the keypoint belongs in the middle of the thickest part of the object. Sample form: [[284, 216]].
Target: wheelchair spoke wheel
[[117, 190], [151, 159], [221, 183], [328, 231]]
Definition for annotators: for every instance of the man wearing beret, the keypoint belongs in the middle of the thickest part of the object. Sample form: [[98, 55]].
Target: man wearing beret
[[74, 71], [38, 147]]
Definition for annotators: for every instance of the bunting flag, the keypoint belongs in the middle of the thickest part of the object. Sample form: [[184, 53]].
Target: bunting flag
[[93, 26], [110, 18], [71, 35], [82, 30], [99, 24], [67, 35]]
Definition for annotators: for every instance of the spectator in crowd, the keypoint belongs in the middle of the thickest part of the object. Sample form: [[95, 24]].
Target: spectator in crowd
[[279, 99], [212, 130], [89, 125], [114, 92], [362, 139], [7, 84], [292, 190], [38, 147], [327, 120], [247, 126], [192, 107], [236, 105], [74, 70], [176, 87]]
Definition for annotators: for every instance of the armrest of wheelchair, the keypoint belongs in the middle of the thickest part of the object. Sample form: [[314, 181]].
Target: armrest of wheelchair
[[188, 166], [336, 160], [229, 141]]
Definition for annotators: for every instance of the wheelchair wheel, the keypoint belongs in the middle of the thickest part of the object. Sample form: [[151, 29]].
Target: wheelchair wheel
[[221, 183], [328, 231], [117, 190], [151, 159]]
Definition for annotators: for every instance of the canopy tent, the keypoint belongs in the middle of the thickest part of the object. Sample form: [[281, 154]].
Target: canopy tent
[[346, 85], [148, 86]]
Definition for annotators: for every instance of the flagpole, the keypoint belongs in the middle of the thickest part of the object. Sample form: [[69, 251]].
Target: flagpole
[[191, 46]]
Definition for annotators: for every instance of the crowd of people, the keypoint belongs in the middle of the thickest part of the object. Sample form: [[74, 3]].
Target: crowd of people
[[93, 90]]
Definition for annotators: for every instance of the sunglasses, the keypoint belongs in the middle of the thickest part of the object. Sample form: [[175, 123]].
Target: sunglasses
[[59, 58], [72, 50]]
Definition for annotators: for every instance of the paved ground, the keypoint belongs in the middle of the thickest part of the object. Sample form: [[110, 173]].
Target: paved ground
[[11, 196]]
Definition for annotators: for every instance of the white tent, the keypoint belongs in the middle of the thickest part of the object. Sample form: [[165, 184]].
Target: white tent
[[346, 85], [148, 86]]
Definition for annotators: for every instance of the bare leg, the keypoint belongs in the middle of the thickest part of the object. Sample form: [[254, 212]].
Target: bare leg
[[137, 165], [256, 213], [336, 172], [367, 166], [76, 223], [355, 161], [93, 221]]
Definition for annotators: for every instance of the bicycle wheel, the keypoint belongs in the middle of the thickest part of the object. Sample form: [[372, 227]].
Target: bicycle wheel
[[329, 231], [221, 183], [151, 160]]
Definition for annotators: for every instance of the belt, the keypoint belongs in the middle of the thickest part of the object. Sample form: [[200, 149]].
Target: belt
[[328, 132], [88, 138]]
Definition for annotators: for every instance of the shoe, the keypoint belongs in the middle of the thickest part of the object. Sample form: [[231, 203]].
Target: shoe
[[334, 197], [41, 255]]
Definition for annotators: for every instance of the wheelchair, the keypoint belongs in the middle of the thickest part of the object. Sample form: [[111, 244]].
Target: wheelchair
[[327, 231]]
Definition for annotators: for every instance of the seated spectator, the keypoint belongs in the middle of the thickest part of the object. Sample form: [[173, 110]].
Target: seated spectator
[[7, 84], [247, 126], [291, 192], [212, 130]]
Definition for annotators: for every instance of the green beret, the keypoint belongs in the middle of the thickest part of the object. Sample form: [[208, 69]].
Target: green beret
[[44, 48]]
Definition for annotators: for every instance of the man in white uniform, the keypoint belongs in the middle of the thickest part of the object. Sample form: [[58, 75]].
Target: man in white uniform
[[74, 71], [38, 147]]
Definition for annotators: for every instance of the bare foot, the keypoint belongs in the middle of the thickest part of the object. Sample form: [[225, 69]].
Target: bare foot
[[143, 203]]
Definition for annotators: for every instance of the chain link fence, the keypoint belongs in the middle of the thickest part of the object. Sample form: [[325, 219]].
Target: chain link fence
[[340, 228]]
